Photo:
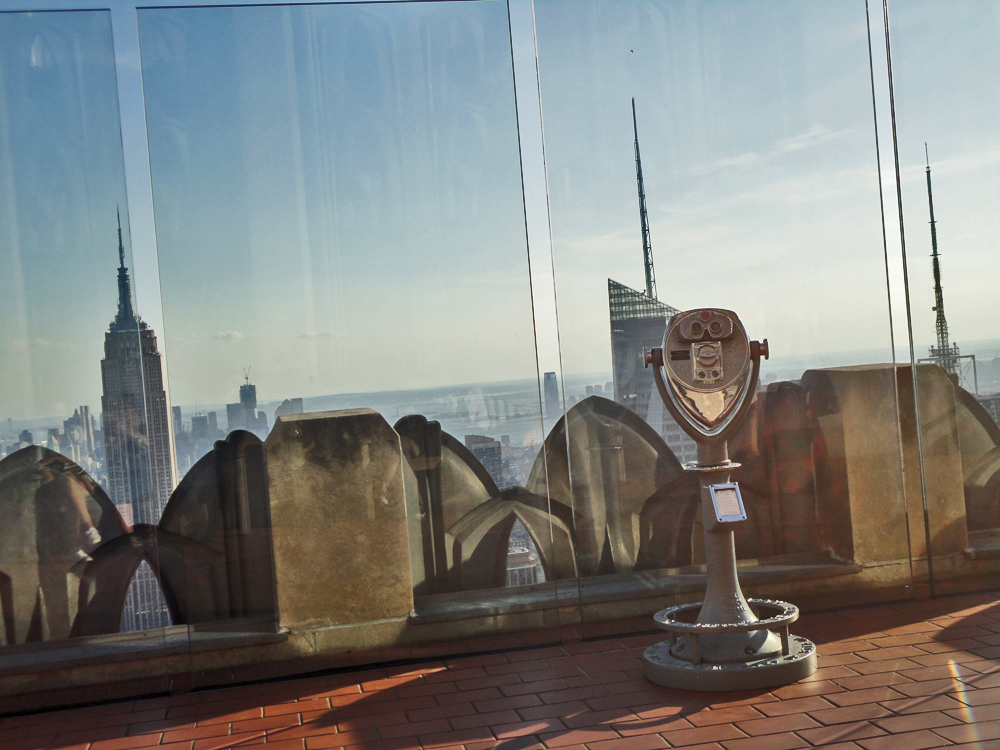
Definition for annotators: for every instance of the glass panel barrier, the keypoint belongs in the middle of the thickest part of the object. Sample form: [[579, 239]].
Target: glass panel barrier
[[343, 266], [86, 461], [946, 78], [761, 192]]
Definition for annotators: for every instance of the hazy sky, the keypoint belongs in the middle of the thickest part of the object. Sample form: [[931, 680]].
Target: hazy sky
[[61, 176], [338, 203], [755, 128], [337, 197], [946, 71]]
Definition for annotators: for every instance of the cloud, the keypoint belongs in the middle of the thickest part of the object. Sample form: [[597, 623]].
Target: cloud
[[229, 336], [320, 335]]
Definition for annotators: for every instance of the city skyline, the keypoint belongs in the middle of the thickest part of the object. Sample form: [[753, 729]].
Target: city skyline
[[689, 182]]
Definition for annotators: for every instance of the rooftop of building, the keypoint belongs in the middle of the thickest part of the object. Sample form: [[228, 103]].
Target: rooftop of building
[[917, 674]]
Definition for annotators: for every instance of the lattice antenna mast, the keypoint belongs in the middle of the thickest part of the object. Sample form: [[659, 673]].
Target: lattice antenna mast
[[946, 355], [647, 251]]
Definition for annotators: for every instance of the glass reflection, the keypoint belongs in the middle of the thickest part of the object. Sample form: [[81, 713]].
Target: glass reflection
[[342, 228], [949, 172], [86, 463], [757, 192]]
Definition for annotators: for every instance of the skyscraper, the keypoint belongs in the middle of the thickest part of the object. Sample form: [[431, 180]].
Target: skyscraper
[[138, 446], [244, 415], [553, 409]]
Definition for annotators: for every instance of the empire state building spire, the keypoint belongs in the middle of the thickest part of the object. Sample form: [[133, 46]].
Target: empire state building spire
[[126, 315]]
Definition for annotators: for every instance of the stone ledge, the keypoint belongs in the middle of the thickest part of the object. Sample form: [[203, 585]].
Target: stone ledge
[[121, 647]]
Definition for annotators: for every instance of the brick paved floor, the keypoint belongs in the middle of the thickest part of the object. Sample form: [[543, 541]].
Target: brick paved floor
[[913, 675]]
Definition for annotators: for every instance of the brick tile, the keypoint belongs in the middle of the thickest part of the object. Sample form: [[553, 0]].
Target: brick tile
[[777, 724], [195, 733], [930, 687], [482, 660], [630, 685], [317, 743], [577, 736], [787, 741], [413, 729], [455, 675], [843, 647], [365, 721], [588, 718], [979, 697], [831, 673], [914, 722], [979, 681], [573, 694], [517, 667], [485, 719], [522, 728], [271, 722], [922, 674], [797, 705], [386, 683], [878, 679], [886, 665], [908, 741], [840, 733], [860, 712], [956, 657], [297, 707], [468, 696], [421, 690], [603, 678], [523, 688], [93, 735], [536, 653], [551, 673], [358, 737], [724, 716], [499, 704], [126, 743], [668, 708], [228, 717], [643, 742], [972, 714], [458, 737], [232, 741], [626, 700], [836, 660], [738, 698], [659, 725], [869, 695], [923, 703], [702, 735], [897, 652], [555, 709], [803, 689], [283, 745]]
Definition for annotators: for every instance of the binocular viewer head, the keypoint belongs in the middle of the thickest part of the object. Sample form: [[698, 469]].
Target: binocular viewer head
[[706, 371]]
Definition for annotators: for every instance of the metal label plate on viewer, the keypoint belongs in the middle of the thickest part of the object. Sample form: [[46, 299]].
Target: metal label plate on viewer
[[727, 502]]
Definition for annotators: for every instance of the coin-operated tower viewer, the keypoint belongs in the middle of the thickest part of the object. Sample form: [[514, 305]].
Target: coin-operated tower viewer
[[706, 373]]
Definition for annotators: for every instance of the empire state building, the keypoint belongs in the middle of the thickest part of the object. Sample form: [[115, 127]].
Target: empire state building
[[140, 458]]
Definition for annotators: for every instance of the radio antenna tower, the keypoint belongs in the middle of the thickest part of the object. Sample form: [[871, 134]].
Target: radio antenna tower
[[647, 251], [945, 354]]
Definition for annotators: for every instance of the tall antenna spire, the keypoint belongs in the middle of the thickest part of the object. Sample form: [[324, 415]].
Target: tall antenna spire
[[944, 353], [121, 247], [126, 315], [647, 251]]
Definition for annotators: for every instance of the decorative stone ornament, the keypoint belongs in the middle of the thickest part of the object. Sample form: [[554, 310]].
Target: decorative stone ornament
[[706, 372]]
